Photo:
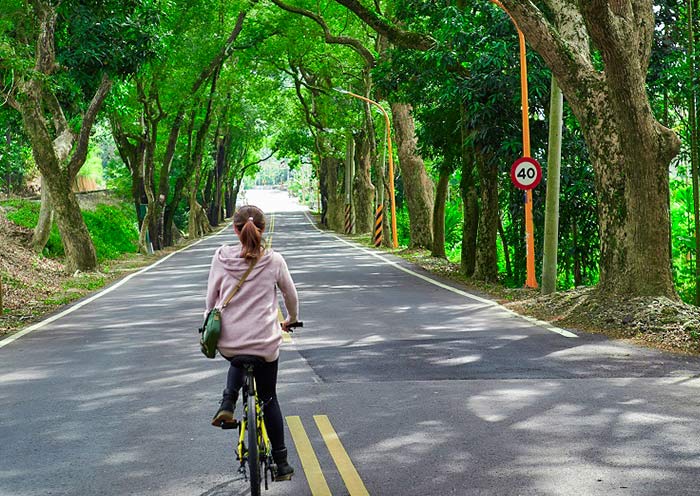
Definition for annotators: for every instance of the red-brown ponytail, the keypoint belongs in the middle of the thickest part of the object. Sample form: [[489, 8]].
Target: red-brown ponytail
[[250, 224]]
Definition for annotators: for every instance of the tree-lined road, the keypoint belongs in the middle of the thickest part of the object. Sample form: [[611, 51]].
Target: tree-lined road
[[430, 392]]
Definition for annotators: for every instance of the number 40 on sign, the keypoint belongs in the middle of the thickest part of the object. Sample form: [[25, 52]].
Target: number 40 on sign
[[526, 173]]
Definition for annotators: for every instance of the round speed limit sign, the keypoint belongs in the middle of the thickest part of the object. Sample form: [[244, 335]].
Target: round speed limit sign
[[526, 173]]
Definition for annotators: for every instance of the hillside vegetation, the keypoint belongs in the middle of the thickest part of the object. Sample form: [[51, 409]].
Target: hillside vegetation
[[37, 284]]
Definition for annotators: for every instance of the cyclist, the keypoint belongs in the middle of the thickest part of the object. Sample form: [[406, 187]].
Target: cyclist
[[249, 324]]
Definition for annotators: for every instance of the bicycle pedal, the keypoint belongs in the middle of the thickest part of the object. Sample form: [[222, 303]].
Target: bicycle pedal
[[229, 425]]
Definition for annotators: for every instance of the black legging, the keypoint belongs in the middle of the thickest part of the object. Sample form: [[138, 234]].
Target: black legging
[[266, 384]]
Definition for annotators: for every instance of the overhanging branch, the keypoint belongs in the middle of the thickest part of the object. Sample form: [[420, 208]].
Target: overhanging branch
[[353, 43], [399, 37], [81, 147]]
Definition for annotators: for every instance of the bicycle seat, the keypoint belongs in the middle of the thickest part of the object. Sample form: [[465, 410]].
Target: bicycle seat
[[244, 361]]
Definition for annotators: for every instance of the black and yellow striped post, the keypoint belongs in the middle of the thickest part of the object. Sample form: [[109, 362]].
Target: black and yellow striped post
[[348, 218], [378, 226]]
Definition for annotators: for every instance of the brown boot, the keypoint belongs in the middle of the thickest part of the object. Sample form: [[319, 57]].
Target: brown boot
[[284, 470], [224, 415]]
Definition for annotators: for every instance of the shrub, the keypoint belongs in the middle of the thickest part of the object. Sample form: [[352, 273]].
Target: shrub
[[113, 230], [25, 213]]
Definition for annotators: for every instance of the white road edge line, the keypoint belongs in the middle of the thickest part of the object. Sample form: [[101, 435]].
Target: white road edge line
[[546, 325], [39, 325]]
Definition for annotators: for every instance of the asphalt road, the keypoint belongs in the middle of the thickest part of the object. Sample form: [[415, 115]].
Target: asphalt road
[[429, 391]]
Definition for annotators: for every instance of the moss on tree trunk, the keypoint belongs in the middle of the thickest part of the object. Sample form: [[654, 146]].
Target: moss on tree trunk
[[418, 187]]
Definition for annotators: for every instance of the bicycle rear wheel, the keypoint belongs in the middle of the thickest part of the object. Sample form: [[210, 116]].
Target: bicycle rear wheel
[[253, 452]]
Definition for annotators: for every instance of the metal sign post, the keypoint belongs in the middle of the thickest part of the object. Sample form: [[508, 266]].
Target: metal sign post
[[531, 280]]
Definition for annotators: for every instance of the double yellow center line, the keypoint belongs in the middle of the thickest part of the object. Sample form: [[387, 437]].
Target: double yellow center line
[[271, 231], [309, 461], [285, 335]]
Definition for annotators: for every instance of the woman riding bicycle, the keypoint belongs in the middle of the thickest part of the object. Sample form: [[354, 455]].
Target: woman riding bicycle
[[249, 325]]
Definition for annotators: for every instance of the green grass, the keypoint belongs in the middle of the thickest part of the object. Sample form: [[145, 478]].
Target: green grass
[[59, 300], [85, 283], [11, 282], [112, 228]]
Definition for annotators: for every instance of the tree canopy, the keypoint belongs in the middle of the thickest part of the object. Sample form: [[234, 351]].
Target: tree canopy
[[197, 94]]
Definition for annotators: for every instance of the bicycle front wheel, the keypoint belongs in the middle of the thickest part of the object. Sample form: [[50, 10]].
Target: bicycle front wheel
[[253, 451]]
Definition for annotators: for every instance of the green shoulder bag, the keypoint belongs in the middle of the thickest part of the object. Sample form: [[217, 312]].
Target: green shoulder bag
[[210, 330]]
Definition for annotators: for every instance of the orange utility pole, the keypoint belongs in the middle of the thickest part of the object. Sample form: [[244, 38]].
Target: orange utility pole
[[531, 280], [394, 233]]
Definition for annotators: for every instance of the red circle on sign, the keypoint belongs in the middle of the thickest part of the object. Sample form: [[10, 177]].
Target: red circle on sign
[[526, 173]]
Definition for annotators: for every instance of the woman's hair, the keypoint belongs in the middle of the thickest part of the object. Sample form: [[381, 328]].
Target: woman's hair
[[250, 223]]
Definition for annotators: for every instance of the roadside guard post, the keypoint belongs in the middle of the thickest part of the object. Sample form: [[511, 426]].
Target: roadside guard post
[[378, 226]]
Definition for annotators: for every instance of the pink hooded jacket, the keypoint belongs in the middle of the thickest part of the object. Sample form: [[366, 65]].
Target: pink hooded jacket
[[249, 324]]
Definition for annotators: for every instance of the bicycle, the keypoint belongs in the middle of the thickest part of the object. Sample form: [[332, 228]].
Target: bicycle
[[254, 449]]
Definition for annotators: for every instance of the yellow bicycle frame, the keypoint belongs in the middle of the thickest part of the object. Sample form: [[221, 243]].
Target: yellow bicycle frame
[[263, 440]]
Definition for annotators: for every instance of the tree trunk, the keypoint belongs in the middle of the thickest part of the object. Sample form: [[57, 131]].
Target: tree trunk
[[470, 205], [42, 231], [694, 141], [486, 268], [77, 244], [629, 149], [208, 196], [439, 213], [231, 204], [148, 236], [418, 188], [506, 250], [335, 214], [60, 159], [576, 254], [362, 184], [516, 228], [197, 225], [172, 206], [551, 217]]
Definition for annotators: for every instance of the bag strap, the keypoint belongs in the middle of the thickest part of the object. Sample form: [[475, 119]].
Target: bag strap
[[240, 283]]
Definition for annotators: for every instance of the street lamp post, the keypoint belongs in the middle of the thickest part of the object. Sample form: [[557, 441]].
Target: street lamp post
[[394, 235], [531, 280]]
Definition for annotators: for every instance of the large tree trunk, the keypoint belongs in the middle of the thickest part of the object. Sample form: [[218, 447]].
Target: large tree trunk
[[418, 188], [42, 231], [470, 205], [630, 150], [233, 196], [486, 256], [148, 236], [506, 249], [694, 139], [439, 213], [335, 214], [632, 190], [172, 205], [362, 185], [551, 216], [58, 160], [220, 172], [198, 222], [77, 244]]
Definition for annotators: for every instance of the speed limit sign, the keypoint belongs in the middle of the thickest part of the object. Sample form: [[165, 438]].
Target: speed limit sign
[[526, 173]]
